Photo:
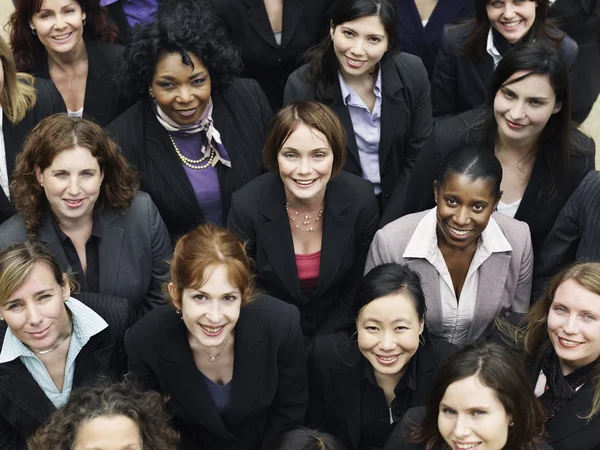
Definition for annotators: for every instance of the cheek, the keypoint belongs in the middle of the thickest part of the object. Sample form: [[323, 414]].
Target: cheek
[[366, 341]]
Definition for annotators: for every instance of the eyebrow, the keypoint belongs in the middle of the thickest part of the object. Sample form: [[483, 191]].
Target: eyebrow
[[55, 171], [313, 150], [403, 320], [472, 408], [528, 98], [35, 294], [370, 35], [198, 291], [191, 77], [450, 194]]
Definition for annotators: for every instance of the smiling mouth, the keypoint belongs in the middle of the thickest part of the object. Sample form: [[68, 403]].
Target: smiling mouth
[[62, 37], [387, 360], [212, 331], [74, 203], [186, 112], [514, 125], [511, 26], [305, 183], [40, 334], [569, 344], [354, 62], [466, 446], [458, 232]]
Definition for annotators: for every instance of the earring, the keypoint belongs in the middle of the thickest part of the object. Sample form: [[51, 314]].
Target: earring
[[355, 334], [33, 31], [510, 424], [150, 92], [421, 339], [84, 22], [66, 300], [1, 319], [41, 184]]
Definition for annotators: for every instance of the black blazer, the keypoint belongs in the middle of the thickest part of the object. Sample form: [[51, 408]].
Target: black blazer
[[425, 41], [102, 101], [459, 84], [335, 380], [241, 116], [24, 407], [132, 255], [269, 391], [580, 19], [405, 119], [48, 102], [575, 235], [350, 218], [305, 23], [397, 440], [536, 210]]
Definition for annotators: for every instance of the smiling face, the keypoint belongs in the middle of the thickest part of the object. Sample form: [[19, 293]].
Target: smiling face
[[72, 184], [211, 311], [574, 325], [359, 45], [388, 333], [305, 165], [522, 109], [181, 91], [36, 313], [108, 433], [512, 18], [464, 207], [472, 417], [59, 25]]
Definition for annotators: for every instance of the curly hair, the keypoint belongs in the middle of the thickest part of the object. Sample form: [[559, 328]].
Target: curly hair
[[102, 399], [29, 52], [190, 27], [54, 135]]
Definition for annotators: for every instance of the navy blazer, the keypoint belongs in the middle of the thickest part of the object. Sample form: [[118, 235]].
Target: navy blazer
[[258, 216], [426, 41], [460, 84], [24, 407], [269, 391], [405, 120], [132, 255]]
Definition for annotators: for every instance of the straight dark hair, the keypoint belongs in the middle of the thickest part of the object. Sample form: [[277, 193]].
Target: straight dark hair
[[323, 65], [476, 161], [502, 371], [542, 29], [305, 439]]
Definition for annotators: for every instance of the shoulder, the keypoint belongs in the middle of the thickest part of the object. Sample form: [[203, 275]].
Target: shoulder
[[414, 415], [114, 310], [271, 310], [160, 322], [299, 77], [13, 230], [356, 187], [406, 62], [439, 350], [242, 88], [253, 190], [399, 227], [454, 35], [514, 230], [141, 204], [131, 119], [591, 183], [333, 350], [110, 53]]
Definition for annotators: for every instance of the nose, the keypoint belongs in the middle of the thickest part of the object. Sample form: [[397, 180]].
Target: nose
[[357, 48], [387, 343], [304, 167], [509, 10], [33, 316], [59, 23], [215, 314], [185, 94], [461, 217], [517, 111], [571, 325], [462, 427], [73, 186]]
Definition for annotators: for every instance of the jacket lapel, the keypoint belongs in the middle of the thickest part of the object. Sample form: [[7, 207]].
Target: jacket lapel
[[431, 288], [259, 20], [391, 104], [47, 235], [409, 19], [11, 144], [444, 12], [567, 420], [94, 102], [530, 202], [348, 379], [292, 13], [110, 249], [93, 355]]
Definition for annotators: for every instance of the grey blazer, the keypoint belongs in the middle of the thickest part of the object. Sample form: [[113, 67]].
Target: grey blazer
[[504, 278], [132, 255]]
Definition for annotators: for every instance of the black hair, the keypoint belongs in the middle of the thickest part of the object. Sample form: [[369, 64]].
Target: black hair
[[557, 136], [190, 28], [323, 65], [388, 279], [475, 161], [305, 439]]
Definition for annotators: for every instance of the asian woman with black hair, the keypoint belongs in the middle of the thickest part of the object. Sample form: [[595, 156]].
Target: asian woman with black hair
[[469, 53], [380, 95], [361, 385], [474, 266]]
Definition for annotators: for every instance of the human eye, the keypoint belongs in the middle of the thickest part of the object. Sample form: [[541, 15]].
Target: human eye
[[290, 155], [401, 328], [61, 175], [451, 201], [44, 297], [559, 309], [478, 412], [165, 84], [199, 81], [375, 40], [536, 103], [496, 3], [589, 317], [508, 94], [371, 328], [448, 411], [199, 297], [14, 306], [87, 174], [230, 298], [348, 33], [320, 155], [70, 10], [478, 208]]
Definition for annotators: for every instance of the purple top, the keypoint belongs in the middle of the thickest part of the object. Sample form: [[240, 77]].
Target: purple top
[[367, 129], [205, 182], [136, 11]]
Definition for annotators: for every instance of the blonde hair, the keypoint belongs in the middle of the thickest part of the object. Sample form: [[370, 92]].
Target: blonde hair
[[18, 95]]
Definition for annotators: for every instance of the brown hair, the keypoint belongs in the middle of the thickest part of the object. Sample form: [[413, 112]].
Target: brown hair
[[54, 135], [205, 246], [18, 95], [314, 115], [16, 262]]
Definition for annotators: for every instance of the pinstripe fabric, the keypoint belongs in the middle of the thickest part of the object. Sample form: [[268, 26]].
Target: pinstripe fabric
[[241, 115], [23, 405], [575, 235]]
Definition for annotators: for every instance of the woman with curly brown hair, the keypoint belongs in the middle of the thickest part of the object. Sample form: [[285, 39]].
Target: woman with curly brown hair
[[74, 192], [70, 42], [108, 416]]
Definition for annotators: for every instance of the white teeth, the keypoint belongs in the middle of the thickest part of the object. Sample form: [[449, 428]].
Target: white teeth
[[511, 24], [354, 62], [305, 183], [61, 38], [388, 359], [467, 445], [460, 232], [567, 343], [211, 329]]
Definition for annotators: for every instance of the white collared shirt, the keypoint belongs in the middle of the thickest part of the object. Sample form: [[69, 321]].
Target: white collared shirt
[[86, 323], [492, 50], [457, 314], [4, 178]]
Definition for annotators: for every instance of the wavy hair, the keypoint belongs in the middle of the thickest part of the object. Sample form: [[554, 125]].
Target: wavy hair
[[18, 95], [30, 52], [54, 135], [190, 27]]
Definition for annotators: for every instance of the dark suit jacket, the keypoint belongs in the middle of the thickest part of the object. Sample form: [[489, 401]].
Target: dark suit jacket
[[405, 119], [536, 210], [397, 440], [269, 390], [132, 255], [580, 19], [425, 41], [48, 102], [459, 84], [335, 380], [102, 101], [305, 23], [241, 116], [24, 406], [350, 218], [575, 235]]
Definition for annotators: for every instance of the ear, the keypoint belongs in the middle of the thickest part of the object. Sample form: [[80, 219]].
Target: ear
[[331, 30], [435, 191], [38, 174], [557, 107], [101, 176], [421, 326], [83, 16], [66, 287], [173, 293]]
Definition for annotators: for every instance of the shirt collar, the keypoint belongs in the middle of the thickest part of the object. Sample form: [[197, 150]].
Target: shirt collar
[[86, 323], [424, 243], [491, 48], [96, 229], [348, 94]]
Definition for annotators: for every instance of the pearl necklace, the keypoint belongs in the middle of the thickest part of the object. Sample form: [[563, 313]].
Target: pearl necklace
[[54, 347], [195, 164], [306, 218]]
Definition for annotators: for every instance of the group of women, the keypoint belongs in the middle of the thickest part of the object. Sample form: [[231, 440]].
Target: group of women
[[349, 263]]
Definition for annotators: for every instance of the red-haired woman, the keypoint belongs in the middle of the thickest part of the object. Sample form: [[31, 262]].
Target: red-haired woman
[[70, 42], [231, 361]]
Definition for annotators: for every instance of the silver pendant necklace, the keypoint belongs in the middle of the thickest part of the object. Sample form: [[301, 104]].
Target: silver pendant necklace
[[214, 358], [55, 346]]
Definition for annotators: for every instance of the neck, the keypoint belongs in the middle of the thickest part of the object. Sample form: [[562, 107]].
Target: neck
[[505, 144], [65, 61], [79, 225], [389, 382], [308, 204], [366, 81]]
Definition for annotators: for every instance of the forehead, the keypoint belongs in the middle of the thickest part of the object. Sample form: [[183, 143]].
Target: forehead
[[171, 64], [306, 138], [74, 157], [572, 294], [40, 278], [366, 25], [466, 186], [218, 279], [390, 308], [534, 85], [470, 393], [56, 4], [108, 432]]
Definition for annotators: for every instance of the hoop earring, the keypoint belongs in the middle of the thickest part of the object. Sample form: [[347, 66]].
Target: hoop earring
[[33, 31], [422, 339], [84, 22], [150, 92], [355, 334]]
